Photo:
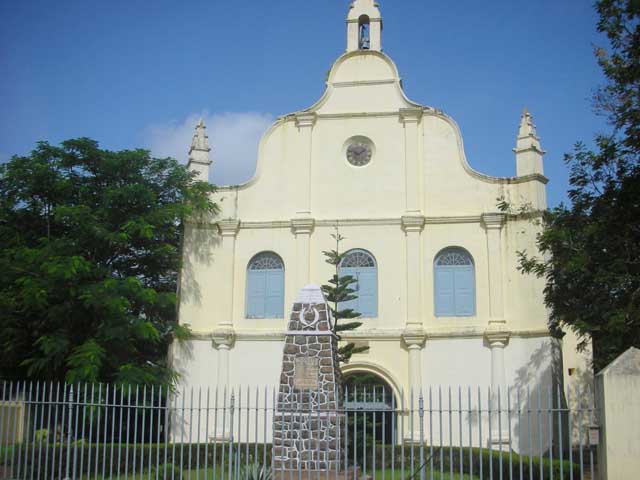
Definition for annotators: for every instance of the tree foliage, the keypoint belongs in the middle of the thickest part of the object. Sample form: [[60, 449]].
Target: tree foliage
[[338, 290], [89, 261], [591, 249]]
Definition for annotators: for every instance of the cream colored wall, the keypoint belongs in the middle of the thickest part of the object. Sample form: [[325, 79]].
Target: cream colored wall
[[417, 196]]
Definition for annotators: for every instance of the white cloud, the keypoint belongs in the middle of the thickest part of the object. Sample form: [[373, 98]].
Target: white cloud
[[233, 138]]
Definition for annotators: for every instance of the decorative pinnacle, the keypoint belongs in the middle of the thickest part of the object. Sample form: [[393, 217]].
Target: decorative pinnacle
[[199, 151], [200, 138], [527, 135], [527, 128]]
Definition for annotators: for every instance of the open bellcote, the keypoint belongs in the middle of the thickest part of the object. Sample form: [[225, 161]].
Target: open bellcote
[[364, 26]]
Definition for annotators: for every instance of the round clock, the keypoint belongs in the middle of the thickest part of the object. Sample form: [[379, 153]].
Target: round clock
[[359, 154]]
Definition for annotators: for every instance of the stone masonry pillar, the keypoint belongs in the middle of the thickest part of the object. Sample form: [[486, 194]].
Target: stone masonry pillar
[[308, 424]]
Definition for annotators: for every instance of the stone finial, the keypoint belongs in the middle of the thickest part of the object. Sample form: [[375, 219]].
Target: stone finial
[[199, 152], [528, 149]]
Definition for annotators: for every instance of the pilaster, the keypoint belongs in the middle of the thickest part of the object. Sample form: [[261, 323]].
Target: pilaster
[[414, 340], [223, 340], [305, 122], [410, 118], [497, 338], [302, 228], [493, 223], [413, 225], [228, 231]]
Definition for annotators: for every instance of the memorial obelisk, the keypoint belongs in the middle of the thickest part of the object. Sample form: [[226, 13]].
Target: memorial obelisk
[[309, 419]]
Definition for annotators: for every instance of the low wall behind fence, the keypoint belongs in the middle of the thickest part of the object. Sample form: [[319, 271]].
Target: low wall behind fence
[[105, 431]]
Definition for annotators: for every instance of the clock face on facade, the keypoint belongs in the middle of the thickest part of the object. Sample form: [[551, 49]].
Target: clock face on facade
[[359, 154]]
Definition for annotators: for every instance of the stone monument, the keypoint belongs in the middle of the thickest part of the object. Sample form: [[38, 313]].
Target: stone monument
[[309, 419]]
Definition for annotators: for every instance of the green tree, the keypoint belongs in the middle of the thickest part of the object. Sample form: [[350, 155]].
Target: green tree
[[590, 250], [338, 290], [89, 261]]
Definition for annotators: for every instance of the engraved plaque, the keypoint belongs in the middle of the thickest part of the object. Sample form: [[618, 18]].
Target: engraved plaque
[[306, 372]]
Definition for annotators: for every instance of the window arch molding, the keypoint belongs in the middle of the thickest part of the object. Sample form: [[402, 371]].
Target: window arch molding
[[454, 283], [362, 265], [264, 294]]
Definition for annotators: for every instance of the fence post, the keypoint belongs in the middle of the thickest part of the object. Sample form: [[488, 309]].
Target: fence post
[[69, 432], [618, 401]]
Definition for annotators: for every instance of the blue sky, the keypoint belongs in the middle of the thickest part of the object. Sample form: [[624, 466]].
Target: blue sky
[[139, 73]]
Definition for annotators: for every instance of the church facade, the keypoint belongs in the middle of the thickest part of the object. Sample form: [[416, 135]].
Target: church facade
[[441, 298]]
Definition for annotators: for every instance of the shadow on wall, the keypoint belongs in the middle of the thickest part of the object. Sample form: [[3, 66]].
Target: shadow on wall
[[197, 251], [549, 414], [526, 415], [535, 396]]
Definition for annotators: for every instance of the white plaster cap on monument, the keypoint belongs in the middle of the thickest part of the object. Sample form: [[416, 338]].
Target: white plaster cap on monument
[[311, 293]]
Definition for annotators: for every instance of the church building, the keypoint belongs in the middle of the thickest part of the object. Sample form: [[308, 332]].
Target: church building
[[441, 298]]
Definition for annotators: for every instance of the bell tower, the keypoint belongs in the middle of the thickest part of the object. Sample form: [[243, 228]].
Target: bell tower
[[364, 26]]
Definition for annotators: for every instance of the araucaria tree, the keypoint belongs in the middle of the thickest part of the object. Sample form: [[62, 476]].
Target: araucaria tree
[[339, 290], [89, 261], [591, 249]]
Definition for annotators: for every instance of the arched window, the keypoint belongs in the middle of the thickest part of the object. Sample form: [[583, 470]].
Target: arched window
[[265, 286], [364, 38], [455, 284], [362, 266]]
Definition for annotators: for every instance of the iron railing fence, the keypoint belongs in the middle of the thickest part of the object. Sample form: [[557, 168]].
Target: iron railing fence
[[59, 431]]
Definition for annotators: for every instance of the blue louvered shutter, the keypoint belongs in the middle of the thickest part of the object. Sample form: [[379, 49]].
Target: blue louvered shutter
[[353, 304], [367, 292], [274, 295], [444, 291], [256, 291], [464, 291]]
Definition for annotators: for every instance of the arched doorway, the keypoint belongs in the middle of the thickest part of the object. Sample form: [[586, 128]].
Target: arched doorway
[[371, 418]]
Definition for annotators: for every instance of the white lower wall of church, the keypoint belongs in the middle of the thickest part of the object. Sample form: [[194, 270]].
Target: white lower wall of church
[[456, 387], [456, 362], [456, 376]]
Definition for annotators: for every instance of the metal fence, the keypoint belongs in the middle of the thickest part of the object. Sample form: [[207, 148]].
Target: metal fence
[[58, 431]]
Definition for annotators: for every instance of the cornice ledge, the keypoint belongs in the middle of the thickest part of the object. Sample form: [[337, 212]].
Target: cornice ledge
[[305, 119], [229, 227], [413, 223], [410, 115], [452, 219], [372, 19], [532, 177], [340, 116], [302, 225], [266, 224], [493, 220], [192, 161]]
